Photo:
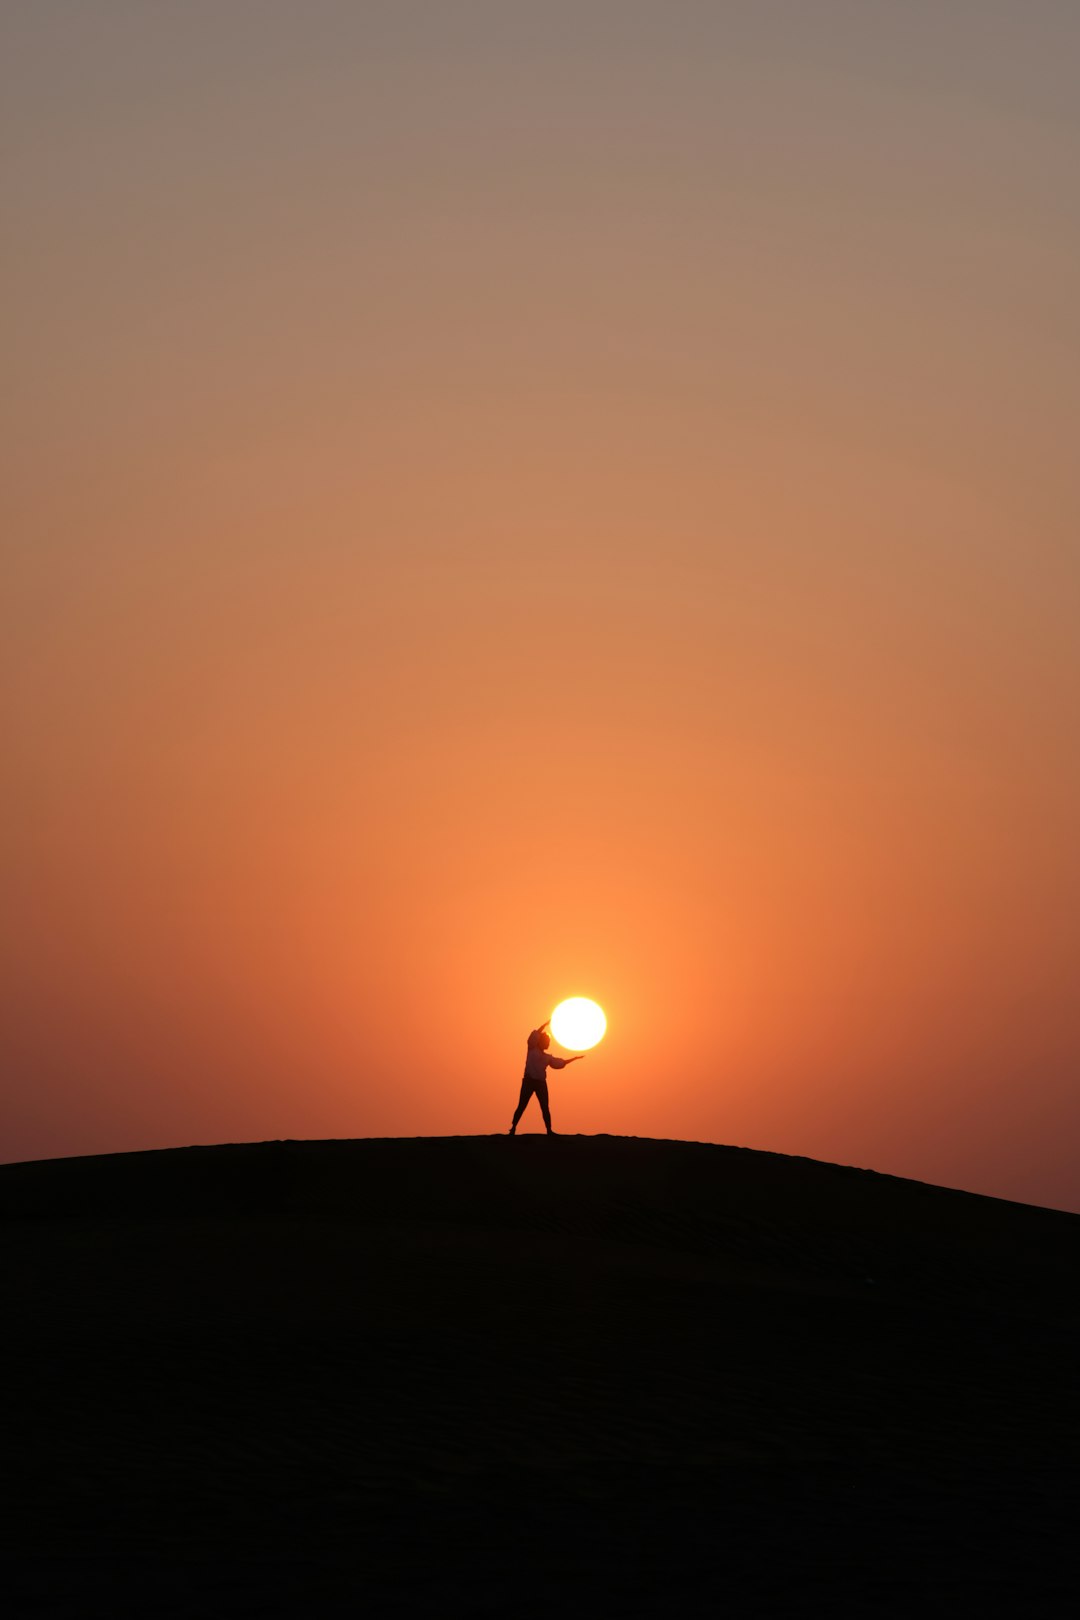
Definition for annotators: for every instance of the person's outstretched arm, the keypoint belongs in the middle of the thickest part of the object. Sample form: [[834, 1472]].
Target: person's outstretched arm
[[563, 1063]]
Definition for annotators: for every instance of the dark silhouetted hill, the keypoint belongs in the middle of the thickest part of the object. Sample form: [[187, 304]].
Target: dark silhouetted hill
[[505, 1377]]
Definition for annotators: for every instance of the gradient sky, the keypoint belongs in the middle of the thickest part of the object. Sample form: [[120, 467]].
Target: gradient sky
[[510, 500]]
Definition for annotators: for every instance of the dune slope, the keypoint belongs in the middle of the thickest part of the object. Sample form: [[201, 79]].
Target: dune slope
[[489, 1375]]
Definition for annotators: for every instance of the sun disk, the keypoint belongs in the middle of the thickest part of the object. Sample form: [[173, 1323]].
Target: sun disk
[[578, 1023]]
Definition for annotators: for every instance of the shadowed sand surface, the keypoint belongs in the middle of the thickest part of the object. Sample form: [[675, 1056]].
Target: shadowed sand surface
[[493, 1376]]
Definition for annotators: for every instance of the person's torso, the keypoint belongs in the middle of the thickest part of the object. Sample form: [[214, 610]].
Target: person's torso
[[535, 1063]]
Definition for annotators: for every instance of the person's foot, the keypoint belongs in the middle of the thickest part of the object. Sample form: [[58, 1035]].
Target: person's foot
[[512, 1131], [551, 1132]]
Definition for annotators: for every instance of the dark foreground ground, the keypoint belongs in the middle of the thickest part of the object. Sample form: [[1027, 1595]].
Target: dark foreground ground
[[531, 1377]]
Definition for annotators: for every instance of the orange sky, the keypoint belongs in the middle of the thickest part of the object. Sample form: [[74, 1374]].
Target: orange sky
[[506, 501]]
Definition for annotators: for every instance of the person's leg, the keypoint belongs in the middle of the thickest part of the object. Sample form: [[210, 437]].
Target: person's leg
[[526, 1093], [542, 1098]]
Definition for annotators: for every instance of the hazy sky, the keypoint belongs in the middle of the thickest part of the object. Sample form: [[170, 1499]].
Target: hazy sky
[[511, 500]]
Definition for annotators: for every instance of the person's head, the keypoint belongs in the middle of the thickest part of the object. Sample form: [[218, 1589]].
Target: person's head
[[540, 1038]]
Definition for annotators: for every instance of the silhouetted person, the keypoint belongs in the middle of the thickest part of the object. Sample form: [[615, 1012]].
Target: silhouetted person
[[538, 1060]]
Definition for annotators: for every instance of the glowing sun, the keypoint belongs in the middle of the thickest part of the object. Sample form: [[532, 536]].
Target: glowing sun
[[578, 1023]]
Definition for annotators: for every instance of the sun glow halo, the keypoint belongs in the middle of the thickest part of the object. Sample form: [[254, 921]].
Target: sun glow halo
[[578, 1023]]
